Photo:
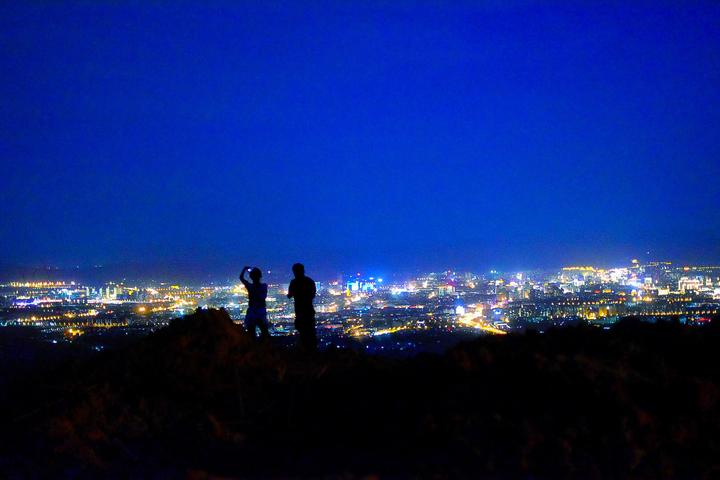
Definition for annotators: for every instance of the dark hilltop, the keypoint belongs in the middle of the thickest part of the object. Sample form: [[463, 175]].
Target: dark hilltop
[[200, 399]]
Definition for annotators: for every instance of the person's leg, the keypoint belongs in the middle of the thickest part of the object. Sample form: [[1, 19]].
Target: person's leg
[[264, 327], [301, 327], [311, 334], [250, 325], [305, 325]]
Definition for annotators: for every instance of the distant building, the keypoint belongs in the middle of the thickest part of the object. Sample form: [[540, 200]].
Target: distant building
[[693, 284], [446, 290]]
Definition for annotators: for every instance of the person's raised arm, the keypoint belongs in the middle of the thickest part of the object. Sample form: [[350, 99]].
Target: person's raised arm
[[242, 276]]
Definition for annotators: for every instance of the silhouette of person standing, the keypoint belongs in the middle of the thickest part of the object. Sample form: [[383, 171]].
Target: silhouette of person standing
[[302, 289], [256, 315]]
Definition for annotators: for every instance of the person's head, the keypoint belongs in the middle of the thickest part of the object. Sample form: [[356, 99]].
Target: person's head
[[299, 270], [255, 274]]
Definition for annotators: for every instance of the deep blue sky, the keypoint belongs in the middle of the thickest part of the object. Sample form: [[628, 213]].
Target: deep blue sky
[[371, 135]]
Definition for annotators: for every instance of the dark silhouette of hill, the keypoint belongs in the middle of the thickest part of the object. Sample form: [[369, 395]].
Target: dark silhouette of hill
[[200, 399]]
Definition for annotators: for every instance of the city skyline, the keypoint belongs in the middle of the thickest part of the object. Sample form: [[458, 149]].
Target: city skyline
[[363, 305]]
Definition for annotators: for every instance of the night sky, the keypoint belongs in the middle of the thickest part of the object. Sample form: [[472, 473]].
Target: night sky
[[369, 135]]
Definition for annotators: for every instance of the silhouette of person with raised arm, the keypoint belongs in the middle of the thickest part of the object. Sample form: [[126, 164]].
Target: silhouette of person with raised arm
[[256, 315], [302, 289]]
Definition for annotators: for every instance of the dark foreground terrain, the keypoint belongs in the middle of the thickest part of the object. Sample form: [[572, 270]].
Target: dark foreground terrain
[[198, 399]]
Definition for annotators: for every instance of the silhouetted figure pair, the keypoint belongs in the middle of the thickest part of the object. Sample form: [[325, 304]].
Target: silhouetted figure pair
[[256, 315], [302, 289]]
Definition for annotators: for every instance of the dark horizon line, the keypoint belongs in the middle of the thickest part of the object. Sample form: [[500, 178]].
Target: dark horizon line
[[178, 270]]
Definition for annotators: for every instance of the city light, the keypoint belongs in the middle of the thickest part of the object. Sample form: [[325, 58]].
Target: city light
[[358, 307]]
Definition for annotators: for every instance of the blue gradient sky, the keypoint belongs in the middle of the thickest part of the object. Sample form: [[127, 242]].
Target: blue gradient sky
[[368, 135]]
